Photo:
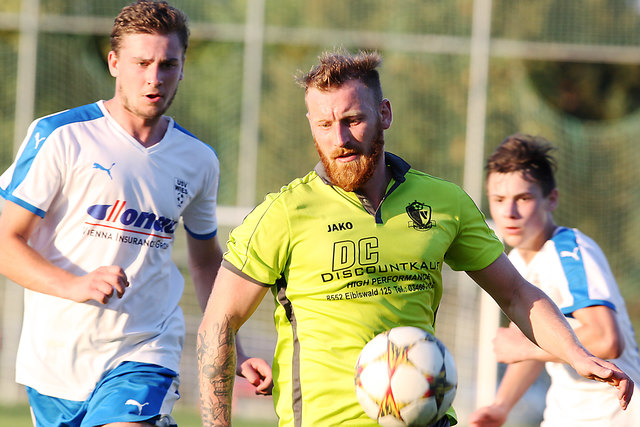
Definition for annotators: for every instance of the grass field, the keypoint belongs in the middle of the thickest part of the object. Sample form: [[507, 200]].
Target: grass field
[[18, 416]]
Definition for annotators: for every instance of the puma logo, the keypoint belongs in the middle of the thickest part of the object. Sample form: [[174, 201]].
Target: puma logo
[[573, 254], [136, 403], [102, 168]]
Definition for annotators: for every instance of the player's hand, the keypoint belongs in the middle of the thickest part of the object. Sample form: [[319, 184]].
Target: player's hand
[[511, 345], [488, 416], [99, 285], [257, 372], [602, 370]]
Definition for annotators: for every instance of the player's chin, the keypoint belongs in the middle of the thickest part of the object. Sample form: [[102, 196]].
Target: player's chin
[[512, 240], [153, 111]]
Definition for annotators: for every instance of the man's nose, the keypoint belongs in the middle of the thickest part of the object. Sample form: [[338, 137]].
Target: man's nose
[[343, 134], [512, 209], [154, 77]]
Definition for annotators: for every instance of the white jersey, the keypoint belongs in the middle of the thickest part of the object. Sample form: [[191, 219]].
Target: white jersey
[[572, 269], [107, 200]]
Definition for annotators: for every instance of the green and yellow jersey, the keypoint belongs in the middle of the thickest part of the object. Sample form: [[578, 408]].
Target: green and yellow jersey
[[342, 273]]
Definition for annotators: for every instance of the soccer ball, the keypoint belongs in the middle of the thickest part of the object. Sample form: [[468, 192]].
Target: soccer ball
[[405, 377]]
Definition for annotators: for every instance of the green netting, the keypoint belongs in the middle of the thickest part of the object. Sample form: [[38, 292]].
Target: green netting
[[10, 6], [599, 22], [598, 178], [597, 168], [446, 17], [429, 120], [8, 57], [71, 71], [197, 10], [208, 104]]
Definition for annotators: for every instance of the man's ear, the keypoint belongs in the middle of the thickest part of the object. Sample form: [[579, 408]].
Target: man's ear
[[112, 61], [386, 117], [553, 199]]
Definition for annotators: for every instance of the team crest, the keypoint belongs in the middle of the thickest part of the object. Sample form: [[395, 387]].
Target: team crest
[[181, 190], [420, 215]]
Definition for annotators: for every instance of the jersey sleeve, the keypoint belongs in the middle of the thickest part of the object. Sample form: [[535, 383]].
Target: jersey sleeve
[[588, 276], [475, 246], [259, 247], [199, 216], [37, 174]]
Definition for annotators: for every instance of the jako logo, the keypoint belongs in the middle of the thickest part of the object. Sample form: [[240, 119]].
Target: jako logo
[[144, 220]]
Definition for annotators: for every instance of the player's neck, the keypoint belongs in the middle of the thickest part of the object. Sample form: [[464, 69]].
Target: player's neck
[[147, 131], [375, 188], [529, 251]]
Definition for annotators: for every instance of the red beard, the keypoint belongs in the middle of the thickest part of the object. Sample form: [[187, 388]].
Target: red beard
[[353, 175]]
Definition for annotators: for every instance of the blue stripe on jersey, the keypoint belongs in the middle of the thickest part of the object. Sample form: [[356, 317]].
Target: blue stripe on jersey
[[183, 130], [191, 233], [573, 266], [43, 128], [201, 236], [568, 311], [20, 202]]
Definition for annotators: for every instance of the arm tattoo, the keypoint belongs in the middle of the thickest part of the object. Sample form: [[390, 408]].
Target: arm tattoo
[[217, 368]]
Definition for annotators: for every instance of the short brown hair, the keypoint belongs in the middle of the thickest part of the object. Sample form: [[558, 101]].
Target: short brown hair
[[149, 17], [336, 68], [526, 153]]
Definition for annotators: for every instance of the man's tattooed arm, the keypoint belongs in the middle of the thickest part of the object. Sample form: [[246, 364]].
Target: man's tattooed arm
[[217, 368]]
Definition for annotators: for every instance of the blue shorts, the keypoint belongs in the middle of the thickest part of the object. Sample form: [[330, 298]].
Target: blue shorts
[[132, 392]]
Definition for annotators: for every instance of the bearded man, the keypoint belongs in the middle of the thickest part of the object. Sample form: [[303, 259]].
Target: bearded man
[[352, 249]]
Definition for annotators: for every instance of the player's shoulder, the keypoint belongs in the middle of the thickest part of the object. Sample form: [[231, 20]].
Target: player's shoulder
[[186, 133], [438, 188], [201, 148], [277, 205], [301, 184], [570, 235], [424, 178], [296, 192], [47, 124], [572, 239]]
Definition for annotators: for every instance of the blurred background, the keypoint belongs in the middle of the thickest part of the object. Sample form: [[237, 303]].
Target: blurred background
[[460, 74]]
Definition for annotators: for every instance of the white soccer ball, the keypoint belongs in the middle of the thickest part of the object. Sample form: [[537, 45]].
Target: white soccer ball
[[405, 377]]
